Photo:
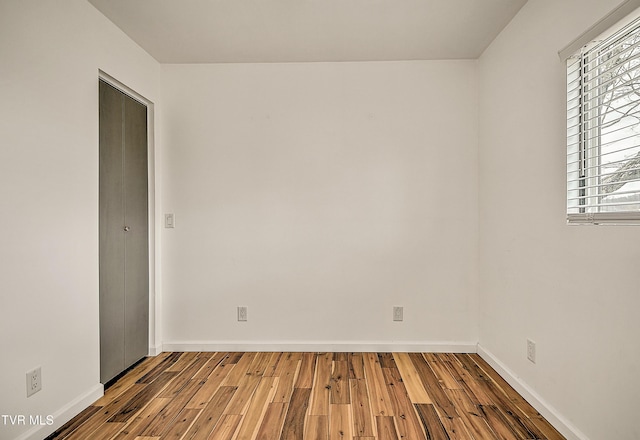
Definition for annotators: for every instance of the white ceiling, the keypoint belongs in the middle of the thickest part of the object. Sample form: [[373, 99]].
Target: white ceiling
[[229, 31]]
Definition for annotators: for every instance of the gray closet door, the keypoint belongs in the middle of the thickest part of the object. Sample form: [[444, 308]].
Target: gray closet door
[[124, 233]]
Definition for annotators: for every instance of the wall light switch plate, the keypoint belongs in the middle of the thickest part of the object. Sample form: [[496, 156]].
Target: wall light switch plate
[[242, 313], [169, 221], [398, 313]]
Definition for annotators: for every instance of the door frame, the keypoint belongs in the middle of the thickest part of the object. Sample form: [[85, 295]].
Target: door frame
[[155, 346]]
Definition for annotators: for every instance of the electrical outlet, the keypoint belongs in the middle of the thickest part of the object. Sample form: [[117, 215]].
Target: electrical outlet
[[531, 350], [34, 381], [398, 312], [242, 313]]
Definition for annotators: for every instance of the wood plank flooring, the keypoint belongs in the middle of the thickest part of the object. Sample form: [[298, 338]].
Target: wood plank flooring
[[310, 396]]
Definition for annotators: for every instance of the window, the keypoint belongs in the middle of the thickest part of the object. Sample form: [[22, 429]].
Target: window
[[603, 130]]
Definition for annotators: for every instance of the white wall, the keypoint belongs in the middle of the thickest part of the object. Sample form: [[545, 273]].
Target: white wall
[[320, 195], [50, 53], [314, 195], [573, 290]]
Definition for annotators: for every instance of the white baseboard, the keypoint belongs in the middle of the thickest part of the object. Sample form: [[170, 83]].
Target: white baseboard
[[64, 414], [155, 350], [547, 411], [322, 346]]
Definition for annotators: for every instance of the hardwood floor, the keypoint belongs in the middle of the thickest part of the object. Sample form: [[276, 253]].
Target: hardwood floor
[[310, 396]]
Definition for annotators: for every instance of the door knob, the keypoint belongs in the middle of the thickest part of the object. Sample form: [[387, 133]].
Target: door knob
[[127, 229]]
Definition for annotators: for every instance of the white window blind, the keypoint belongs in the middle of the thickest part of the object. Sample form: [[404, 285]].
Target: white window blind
[[603, 130]]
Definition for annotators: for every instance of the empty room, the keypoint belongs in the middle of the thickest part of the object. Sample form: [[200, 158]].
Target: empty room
[[320, 219]]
